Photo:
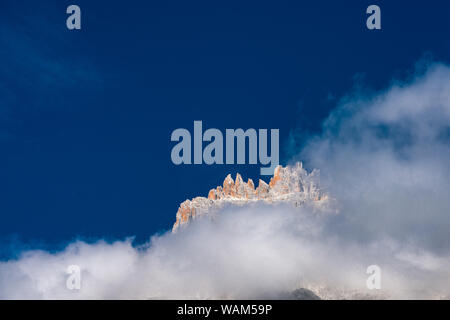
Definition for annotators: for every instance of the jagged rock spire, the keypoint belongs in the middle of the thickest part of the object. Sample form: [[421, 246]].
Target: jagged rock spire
[[288, 184]]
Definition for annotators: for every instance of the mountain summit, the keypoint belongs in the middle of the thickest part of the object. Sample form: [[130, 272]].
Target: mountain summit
[[291, 184]]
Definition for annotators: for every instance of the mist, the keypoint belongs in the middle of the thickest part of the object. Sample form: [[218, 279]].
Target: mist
[[386, 158]]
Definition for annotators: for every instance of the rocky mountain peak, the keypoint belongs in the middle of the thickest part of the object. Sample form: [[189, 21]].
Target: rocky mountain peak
[[291, 184]]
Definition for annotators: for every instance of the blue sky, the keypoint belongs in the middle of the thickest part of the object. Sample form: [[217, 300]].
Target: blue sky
[[86, 116]]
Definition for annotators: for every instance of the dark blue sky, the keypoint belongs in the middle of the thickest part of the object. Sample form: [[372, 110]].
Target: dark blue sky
[[86, 116]]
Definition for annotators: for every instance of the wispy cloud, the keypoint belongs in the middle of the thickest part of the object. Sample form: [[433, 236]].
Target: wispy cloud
[[41, 63], [385, 156]]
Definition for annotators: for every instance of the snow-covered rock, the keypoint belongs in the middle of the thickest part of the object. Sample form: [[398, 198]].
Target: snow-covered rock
[[291, 184]]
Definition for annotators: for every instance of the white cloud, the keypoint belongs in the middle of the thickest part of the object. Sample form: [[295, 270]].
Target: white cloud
[[386, 157]]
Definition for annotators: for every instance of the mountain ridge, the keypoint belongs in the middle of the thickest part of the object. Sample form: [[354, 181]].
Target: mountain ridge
[[291, 184]]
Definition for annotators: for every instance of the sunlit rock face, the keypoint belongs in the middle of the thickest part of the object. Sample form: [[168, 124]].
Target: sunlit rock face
[[291, 184]]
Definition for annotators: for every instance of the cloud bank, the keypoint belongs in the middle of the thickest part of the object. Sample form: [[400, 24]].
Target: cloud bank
[[384, 158]]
